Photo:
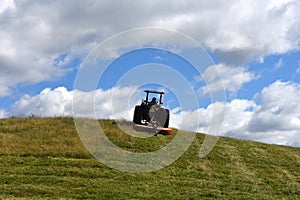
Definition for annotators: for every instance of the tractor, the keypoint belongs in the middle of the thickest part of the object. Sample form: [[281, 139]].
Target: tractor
[[150, 115]]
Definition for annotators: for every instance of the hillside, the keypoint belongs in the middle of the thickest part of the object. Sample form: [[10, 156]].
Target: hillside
[[44, 158]]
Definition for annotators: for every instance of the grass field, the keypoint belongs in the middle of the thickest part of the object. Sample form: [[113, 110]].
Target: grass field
[[43, 158]]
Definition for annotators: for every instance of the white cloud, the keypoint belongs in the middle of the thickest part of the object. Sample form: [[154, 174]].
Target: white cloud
[[237, 31], [298, 69], [4, 91], [57, 102], [279, 108], [274, 119], [238, 113], [221, 77], [112, 103], [3, 114], [189, 120], [278, 64], [6, 5], [24, 68], [261, 59]]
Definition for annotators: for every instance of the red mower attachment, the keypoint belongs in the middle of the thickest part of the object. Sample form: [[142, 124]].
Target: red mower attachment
[[165, 131]]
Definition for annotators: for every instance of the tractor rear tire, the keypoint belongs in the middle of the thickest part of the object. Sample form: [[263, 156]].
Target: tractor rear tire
[[137, 117], [166, 125]]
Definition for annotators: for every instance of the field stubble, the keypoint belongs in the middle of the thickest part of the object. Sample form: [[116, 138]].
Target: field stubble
[[44, 158]]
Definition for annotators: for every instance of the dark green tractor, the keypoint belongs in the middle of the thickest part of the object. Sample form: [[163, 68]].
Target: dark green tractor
[[151, 112]]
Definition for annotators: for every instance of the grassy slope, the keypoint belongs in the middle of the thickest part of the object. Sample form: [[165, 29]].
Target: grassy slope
[[44, 158]]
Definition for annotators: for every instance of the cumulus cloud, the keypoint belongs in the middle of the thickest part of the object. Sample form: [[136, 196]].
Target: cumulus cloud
[[113, 103], [276, 118], [24, 68], [238, 113], [273, 117], [223, 77], [57, 102], [32, 39], [279, 108]]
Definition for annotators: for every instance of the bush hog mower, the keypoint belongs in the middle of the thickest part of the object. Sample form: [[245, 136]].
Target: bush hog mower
[[150, 116]]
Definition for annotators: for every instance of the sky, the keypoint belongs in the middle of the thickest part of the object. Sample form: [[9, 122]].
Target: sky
[[240, 57]]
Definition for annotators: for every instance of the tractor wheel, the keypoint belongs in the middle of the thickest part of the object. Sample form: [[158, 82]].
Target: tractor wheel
[[167, 119], [137, 117]]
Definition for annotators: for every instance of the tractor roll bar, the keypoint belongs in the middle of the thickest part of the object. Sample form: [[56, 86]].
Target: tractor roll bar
[[153, 91], [156, 92]]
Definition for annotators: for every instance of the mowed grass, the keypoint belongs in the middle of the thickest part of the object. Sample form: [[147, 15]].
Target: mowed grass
[[43, 158]]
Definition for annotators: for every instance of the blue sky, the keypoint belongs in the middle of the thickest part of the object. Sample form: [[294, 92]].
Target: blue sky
[[254, 45], [275, 67]]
